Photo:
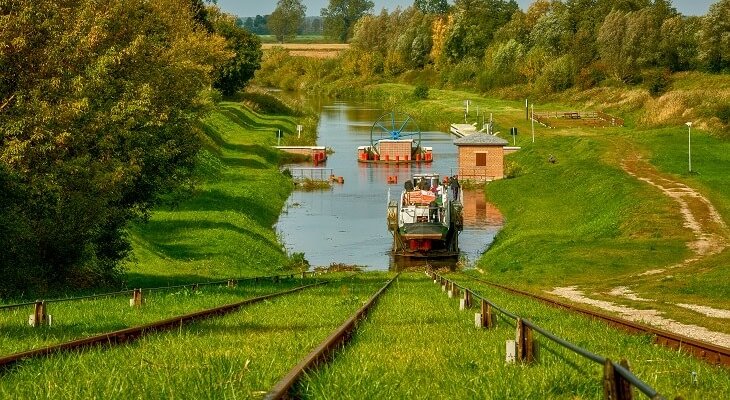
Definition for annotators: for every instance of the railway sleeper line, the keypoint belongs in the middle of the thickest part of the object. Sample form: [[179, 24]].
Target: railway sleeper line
[[617, 378], [708, 352], [326, 349], [129, 334]]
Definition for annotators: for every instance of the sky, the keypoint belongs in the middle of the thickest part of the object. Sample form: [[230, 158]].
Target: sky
[[250, 8]]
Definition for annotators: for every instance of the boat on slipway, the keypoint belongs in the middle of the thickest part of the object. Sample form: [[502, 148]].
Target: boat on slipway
[[426, 219]]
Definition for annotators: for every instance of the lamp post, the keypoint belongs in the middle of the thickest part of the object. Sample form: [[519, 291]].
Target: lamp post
[[689, 144]]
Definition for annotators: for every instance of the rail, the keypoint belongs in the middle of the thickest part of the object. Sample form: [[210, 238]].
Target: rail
[[616, 375], [703, 350], [128, 334], [335, 340]]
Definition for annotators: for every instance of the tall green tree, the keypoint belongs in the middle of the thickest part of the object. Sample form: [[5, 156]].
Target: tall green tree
[[432, 6], [286, 19], [475, 23], [98, 103], [245, 46], [340, 16], [714, 37]]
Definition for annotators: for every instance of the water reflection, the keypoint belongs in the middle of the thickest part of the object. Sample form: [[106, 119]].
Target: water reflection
[[347, 223]]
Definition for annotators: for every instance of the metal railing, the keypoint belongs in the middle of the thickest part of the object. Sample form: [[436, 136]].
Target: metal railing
[[617, 378]]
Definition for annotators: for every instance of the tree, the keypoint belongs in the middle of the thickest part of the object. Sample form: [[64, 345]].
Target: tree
[[714, 37], [98, 110], [340, 16], [233, 75], [475, 23], [286, 19], [432, 6]]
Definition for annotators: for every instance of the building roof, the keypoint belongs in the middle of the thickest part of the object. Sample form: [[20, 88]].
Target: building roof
[[480, 139]]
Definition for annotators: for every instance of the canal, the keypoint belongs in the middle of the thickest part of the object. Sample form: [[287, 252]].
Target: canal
[[347, 224]]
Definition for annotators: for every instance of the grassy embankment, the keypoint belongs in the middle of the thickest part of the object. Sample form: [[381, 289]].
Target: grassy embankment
[[417, 344], [584, 220], [224, 229]]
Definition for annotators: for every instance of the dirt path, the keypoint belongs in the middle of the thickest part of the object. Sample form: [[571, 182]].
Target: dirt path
[[710, 237]]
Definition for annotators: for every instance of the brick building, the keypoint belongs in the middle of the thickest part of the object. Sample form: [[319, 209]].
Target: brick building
[[395, 150], [481, 157]]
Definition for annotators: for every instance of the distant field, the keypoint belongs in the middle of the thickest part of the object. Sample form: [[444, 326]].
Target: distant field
[[298, 39], [312, 50]]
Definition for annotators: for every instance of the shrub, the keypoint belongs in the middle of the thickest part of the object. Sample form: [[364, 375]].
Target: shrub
[[657, 81], [512, 169], [420, 92]]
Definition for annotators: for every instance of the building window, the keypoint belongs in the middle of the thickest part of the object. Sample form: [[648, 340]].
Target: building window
[[481, 159]]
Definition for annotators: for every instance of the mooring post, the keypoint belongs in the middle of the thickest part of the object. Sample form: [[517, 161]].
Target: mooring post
[[615, 387], [525, 348], [39, 316], [136, 300]]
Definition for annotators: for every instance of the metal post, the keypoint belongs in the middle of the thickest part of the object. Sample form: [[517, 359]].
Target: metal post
[[533, 122], [689, 144]]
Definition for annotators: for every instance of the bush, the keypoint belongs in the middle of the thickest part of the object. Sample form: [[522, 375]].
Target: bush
[[657, 81], [420, 92], [512, 169]]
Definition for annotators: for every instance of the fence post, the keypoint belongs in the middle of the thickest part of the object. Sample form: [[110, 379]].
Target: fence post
[[615, 387], [484, 319], [524, 342], [231, 283], [466, 301], [194, 287], [136, 300], [39, 316]]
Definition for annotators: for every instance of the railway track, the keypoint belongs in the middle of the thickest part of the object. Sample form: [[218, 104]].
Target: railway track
[[325, 349], [130, 334], [708, 352]]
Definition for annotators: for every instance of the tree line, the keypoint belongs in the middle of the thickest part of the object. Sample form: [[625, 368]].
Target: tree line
[[553, 45], [99, 103]]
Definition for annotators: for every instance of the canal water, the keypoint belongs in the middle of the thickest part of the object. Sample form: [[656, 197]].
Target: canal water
[[347, 224]]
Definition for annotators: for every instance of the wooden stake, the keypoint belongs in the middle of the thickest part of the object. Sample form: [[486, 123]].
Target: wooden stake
[[39, 316], [525, 343], [615, 387], [484, 319], [231, 283], [136, 300]]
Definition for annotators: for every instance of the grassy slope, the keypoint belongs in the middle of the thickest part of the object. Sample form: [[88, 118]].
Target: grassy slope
[[225, 228]]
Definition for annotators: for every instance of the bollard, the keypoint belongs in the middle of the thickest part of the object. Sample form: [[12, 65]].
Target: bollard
[[525, 344], [39, 316], [136, 300], [615, 387], [484, 318]]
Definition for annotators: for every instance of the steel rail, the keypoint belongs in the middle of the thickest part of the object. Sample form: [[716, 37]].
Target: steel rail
[[129, 334], [708, 352], [129, 291], [624, 372], [325, 349]]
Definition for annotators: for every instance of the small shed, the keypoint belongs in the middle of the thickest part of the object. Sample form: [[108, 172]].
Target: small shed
[[481, 157]]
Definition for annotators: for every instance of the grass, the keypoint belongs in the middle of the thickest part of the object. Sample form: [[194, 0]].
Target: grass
[[225, 228], [237, 356], [417, 344], [78, 319]]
